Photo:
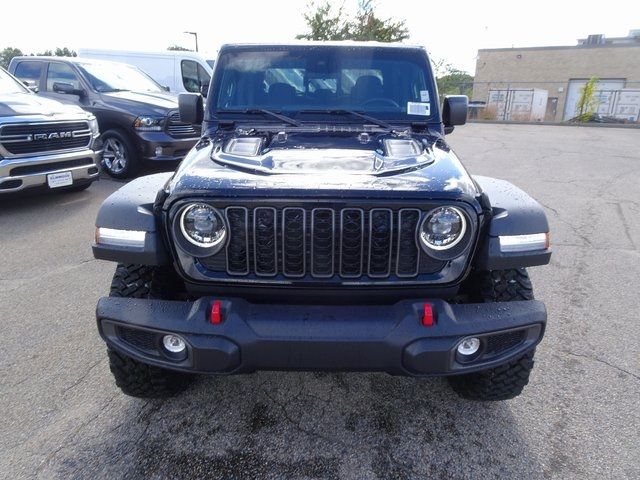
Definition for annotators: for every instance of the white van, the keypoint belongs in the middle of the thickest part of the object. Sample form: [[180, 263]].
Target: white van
[[179, 71]]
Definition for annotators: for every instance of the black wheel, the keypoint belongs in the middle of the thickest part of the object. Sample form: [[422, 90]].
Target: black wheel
[[133, 377], [119, 157], [505, 381]]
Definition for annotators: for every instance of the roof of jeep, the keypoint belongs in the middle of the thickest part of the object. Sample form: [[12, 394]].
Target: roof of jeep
[[340, 43]]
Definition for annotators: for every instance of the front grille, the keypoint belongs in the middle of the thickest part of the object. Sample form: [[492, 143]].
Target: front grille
[[22, 139], [177, 128], [322, 243]]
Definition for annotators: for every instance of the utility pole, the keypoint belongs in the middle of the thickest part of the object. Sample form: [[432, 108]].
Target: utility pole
[[195, 34]]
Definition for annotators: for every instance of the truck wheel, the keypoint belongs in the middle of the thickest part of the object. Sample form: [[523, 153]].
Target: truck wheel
[[135, 378], [119, 158], [505, 381]]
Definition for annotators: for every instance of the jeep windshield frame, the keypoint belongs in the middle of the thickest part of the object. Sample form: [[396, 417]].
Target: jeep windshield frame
[[309, 83]]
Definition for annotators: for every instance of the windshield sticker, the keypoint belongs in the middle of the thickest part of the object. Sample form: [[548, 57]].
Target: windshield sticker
[[424, 95], [418, 108]]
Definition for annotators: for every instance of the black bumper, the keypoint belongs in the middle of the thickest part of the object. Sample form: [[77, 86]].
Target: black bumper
[[296, 337], [173, 149]]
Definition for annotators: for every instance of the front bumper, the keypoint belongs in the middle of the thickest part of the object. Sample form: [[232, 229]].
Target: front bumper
[[173, 149], [29, 172], [297, 337]]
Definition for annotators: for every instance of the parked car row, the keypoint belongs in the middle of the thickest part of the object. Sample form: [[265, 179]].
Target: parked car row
[[132, 121]]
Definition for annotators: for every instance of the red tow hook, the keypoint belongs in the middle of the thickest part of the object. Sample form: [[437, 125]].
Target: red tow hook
[[428, 316], [216, 312]]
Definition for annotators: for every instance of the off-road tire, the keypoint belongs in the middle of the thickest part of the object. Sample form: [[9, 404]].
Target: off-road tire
[[500, 383], [135, 378], [505, 381], [145, 381]]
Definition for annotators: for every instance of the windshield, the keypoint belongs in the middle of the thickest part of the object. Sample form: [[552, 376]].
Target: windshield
[[115, 77], [9, 85], [385, 82]]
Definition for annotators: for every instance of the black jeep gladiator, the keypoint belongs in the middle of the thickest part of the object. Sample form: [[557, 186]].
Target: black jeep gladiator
[[322, 222]]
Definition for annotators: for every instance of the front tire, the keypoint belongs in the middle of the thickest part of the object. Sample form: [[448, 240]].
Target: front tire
[[505, 381], [135, 378], [119, 156]]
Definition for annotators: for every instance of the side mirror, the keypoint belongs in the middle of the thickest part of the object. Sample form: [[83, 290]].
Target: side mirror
[[31, 85], [454, 111], [67, 88], [166, 88], [204, 89], [191, 108]]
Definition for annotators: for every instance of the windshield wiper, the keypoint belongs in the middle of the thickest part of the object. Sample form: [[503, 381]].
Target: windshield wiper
[[343, 111], [273, 114]]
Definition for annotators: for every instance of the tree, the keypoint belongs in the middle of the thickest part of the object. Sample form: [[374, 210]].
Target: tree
[[7, 54], [64, 52], [587, 104], [455, 82], [328, 23], [178, 48]]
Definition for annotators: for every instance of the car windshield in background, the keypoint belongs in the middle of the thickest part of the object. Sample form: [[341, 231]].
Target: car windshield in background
[[116, 77], [391, 83], [9, 85]]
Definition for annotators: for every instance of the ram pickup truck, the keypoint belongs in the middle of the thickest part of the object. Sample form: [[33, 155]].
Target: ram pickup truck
[[322, 222], [44, 144], [139, 120]]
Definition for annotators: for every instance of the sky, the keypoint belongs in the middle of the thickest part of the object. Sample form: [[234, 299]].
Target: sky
[[452, 31]]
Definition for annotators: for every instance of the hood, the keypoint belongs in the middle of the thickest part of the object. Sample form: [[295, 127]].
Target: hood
[[322, 166], [142, 103], [23, 104]]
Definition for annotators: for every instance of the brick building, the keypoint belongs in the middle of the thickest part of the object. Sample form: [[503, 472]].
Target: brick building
[[562, 71]]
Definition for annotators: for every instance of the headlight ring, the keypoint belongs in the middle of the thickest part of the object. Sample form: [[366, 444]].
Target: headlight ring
[[442, 229], [202, 228]]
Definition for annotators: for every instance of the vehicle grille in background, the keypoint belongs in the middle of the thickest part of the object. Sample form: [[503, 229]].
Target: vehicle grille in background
[[297, 242], [177, 128], [24, 138]]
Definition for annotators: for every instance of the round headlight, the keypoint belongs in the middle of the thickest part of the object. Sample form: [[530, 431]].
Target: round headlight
[[203, 226], [443, 228]]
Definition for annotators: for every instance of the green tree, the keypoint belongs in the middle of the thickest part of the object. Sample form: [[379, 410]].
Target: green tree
[[326, 22], [455, 82], [64, 52], [587, 104], [178, 48], [7, 54]]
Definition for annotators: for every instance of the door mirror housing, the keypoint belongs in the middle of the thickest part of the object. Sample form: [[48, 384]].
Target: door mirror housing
[[67, 88], [454, 111], [31, 85], [166, 88], [191, 108]]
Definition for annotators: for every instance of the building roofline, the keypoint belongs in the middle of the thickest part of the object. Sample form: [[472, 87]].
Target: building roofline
[[560, 47]]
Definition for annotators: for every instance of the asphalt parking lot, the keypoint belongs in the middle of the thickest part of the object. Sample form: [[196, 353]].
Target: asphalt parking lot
[[62, 416]]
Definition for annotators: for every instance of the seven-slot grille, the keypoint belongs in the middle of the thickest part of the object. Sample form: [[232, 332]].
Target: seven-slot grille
[[28, 138], [177, 128], [322, 243]]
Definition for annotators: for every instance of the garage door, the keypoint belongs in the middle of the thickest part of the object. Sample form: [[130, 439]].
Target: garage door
[[604, 93]]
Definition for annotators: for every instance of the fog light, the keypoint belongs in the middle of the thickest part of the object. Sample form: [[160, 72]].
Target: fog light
[[469, 346], [158, 151], [174, 344]]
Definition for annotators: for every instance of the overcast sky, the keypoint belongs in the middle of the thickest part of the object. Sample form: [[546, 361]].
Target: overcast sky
[[450, 30]]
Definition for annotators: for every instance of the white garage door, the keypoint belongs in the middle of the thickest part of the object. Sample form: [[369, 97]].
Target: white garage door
[[604, 92]]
